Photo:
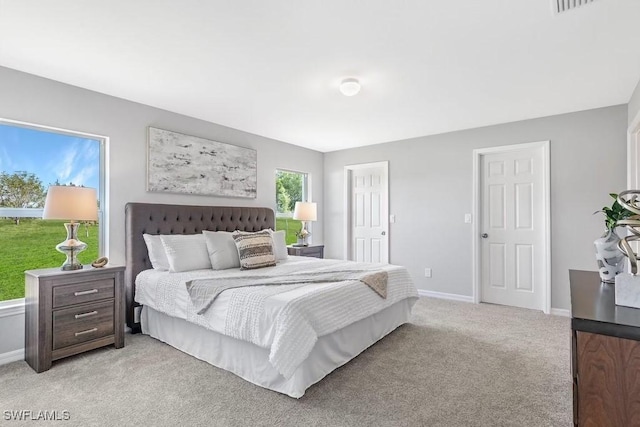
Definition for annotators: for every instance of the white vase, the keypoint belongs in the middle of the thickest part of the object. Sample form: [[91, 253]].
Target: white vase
[[610, 258]]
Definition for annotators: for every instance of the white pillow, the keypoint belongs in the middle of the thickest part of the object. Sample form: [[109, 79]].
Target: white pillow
[[156, 252], [222, 250], [186, 252], [279, 244]]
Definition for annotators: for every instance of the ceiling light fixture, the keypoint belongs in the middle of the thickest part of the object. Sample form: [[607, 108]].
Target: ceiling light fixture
[[350, 87]]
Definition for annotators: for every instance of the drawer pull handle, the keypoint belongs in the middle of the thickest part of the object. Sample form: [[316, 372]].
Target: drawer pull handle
[[88, 331], [91, 291], [91, 313]]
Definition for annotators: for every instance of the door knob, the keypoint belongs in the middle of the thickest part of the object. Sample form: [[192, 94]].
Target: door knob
[[384, 233], [485, 235]]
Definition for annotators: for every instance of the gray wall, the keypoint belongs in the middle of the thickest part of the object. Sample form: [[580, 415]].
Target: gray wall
[[41, 101], [431, 190], [430, 177], [634, 104], [11, 333]]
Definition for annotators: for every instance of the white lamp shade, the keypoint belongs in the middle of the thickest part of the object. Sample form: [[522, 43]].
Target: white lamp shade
[[305, 211], [71, 203]]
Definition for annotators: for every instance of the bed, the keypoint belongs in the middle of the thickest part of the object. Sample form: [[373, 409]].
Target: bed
[[161, 308]]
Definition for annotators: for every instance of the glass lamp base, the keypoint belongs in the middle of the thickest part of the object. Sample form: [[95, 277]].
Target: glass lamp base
[[71, 247], [302, 236], [302, 241]]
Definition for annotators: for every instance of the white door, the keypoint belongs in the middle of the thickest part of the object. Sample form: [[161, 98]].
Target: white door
[[368, 212], [512, 244]]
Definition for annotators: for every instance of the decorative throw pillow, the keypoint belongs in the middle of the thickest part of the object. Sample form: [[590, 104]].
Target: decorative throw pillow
[[186, 252], [222, 250], [279, 244], [156, 252], [255, 249]]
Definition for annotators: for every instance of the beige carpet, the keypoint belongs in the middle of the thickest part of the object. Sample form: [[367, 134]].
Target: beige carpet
[[457, 364]]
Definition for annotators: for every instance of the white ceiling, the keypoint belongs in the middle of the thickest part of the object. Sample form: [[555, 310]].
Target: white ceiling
[[273, 67]]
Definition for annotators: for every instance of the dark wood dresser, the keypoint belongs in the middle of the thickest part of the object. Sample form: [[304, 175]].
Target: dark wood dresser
[[605, 355], [69, 312]]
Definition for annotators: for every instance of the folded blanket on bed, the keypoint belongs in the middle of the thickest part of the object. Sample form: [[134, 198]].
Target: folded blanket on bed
[[203, 292]]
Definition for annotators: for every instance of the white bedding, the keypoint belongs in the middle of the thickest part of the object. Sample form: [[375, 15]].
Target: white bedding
[[286, 326], [251, 362]]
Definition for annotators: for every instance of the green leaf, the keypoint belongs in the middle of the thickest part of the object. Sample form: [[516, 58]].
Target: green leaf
[[615, 213]]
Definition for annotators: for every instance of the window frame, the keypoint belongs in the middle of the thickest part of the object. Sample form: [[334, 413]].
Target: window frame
[[103, 219], [306, 191], [306, 185]]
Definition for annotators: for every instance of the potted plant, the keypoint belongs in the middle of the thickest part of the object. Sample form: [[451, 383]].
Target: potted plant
[[609, 257]]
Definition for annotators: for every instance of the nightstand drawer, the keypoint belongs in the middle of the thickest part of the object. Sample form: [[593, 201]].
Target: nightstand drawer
[[83, 292], [315, 251], [75, 325]]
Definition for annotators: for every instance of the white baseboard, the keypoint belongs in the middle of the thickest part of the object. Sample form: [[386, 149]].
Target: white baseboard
[[561, 312], [464, 298], [13, 307], [11, 356], [443, 295]]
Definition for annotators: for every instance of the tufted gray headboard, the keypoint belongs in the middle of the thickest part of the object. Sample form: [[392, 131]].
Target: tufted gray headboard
[[151, 218]]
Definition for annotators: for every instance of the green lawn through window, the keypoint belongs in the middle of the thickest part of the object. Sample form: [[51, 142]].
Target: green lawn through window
[[32, 245], [291, 226]]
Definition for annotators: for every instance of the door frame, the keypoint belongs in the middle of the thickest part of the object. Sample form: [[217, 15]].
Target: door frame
[[633, 162], [633, 151], [477, 214], [348, 171]]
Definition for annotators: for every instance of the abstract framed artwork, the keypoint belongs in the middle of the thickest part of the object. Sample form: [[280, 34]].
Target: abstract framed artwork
[[179, 163]]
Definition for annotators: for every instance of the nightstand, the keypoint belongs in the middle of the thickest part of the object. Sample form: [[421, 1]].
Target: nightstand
[[315, 251], [70, 312]]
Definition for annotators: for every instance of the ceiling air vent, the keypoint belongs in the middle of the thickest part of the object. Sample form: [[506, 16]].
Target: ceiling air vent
[[561, 6]]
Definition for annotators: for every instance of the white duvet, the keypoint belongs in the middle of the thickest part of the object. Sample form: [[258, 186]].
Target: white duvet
[[285, 319]]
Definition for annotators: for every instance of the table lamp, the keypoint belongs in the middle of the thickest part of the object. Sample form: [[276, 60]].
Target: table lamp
[[73, 204], [305, 212]]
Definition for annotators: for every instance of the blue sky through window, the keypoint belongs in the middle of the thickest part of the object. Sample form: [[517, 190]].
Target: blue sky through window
[[50, 156]]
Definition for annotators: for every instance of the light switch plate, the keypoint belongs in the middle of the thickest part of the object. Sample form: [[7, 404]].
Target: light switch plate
[[467, 218]]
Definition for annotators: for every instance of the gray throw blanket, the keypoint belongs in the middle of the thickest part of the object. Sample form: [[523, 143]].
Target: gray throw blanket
[[203, 292]]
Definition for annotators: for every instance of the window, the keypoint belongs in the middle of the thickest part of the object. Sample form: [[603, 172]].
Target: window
[[31, 159], [291, 187]]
